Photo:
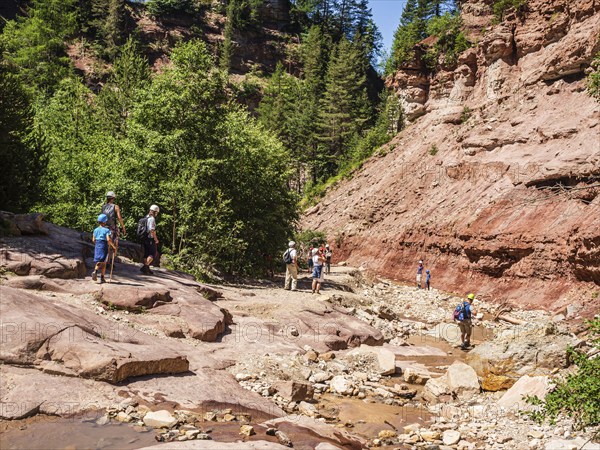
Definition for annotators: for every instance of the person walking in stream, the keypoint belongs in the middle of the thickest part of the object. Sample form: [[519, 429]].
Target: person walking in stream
[[290, 258], [102, 242], [462, 314]]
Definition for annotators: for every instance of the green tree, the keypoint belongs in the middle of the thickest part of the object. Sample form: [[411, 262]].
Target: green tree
[[167, 7], [35, 44], [21, 154], [109, 20], [344, 106]]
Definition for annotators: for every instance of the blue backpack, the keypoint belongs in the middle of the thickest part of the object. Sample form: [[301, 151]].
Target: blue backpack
[[466, 313]]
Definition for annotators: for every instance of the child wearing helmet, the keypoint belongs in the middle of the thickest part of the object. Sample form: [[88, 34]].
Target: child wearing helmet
[[102, 241]]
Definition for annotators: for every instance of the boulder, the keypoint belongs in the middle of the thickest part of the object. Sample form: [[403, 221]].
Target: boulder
[[462, 379], [493, 383], [308, 409], [133, 299], [294, 391], [434, 388], [450, 437], [247, 430], [159, 419], [59, 339], [386, 359], [519, 352], [514, 398], [341, 385]]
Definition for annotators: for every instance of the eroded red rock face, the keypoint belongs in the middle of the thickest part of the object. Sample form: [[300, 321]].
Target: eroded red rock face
[[475, 185]]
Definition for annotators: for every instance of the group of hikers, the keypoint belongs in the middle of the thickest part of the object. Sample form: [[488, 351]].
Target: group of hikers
[[420, 268], [106, 237], [319, 263]]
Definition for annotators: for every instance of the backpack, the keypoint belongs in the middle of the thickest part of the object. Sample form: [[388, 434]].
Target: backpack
[[287, 256], [109, 210], [142, 228], [460, 309]]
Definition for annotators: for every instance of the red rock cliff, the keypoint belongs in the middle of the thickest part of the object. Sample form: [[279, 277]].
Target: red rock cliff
[[508, 205]]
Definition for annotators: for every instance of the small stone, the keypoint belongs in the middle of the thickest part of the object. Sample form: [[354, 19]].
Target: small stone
[[123, 417], [430, 436], [387, 434], [159, 419], [228, 418], [283, 438], [247, 430], [535, 434], [311, 355], [210, 416], [191, 434], [307, 409], [103, 420], [409, 429], [243, 377], [271, 431], [340, 385], [328, 356]]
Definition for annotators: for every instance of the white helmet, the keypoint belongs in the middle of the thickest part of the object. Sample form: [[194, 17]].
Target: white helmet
[[154, 208], [291, 244], [327, 246], [110, 194]]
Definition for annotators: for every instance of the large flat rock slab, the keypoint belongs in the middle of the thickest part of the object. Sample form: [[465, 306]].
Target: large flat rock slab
[[61, 340], [214, 445]]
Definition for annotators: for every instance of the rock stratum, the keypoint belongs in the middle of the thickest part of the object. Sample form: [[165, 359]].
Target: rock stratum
[[495, 182]]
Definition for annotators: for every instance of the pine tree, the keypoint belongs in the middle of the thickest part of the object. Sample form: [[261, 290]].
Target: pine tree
[[109, 21], [344, 106]]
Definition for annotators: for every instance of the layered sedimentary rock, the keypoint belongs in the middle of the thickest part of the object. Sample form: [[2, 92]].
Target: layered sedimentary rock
[[495, 181]]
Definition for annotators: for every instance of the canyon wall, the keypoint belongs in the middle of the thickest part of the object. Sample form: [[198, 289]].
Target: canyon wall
[[495, 181]]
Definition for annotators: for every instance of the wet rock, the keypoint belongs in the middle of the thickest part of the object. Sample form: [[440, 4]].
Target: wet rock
[[514, 398], [283, 438], [159, 419], [293, 391], [247, 430]]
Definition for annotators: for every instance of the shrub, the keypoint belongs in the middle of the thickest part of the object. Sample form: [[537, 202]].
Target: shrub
[[466, 114], [433, 150], [576, 395], [451, 41], [593, 83], [166, 7], [501, 7]]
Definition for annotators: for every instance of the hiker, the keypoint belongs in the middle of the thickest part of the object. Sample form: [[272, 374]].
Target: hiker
[[103, 241], [290, 257], [310, 260], [317, 275], [463, 314], [113, 213], [328, 255], [419, 274], [428, 279], [149, 238]]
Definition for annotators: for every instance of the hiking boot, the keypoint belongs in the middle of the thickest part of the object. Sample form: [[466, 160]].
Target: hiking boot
[[102, 280], [94, 276], [146, 270]]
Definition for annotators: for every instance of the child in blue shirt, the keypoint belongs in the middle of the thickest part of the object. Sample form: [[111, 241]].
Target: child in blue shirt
[[428, 279], [102, 241]]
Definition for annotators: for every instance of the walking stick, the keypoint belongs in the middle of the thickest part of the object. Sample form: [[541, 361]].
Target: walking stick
[[112, 264]]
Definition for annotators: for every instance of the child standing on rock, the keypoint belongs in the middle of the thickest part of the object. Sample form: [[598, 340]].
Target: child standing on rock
[[102, 240]]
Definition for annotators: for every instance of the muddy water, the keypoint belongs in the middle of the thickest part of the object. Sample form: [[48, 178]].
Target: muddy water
[[51, 433], [367, 418]]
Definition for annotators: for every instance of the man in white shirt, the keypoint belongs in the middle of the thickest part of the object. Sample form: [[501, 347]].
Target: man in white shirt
[[291, 267]]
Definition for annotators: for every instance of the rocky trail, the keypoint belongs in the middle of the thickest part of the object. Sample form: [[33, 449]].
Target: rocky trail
[[369, 363]]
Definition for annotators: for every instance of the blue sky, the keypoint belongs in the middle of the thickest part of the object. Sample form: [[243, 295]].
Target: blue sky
[[386, 14]]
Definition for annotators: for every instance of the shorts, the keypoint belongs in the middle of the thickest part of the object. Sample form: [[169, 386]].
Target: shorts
[[114, 233], [101, 251], [418, 278], [317, 272], [465, 326], [149, 248]]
